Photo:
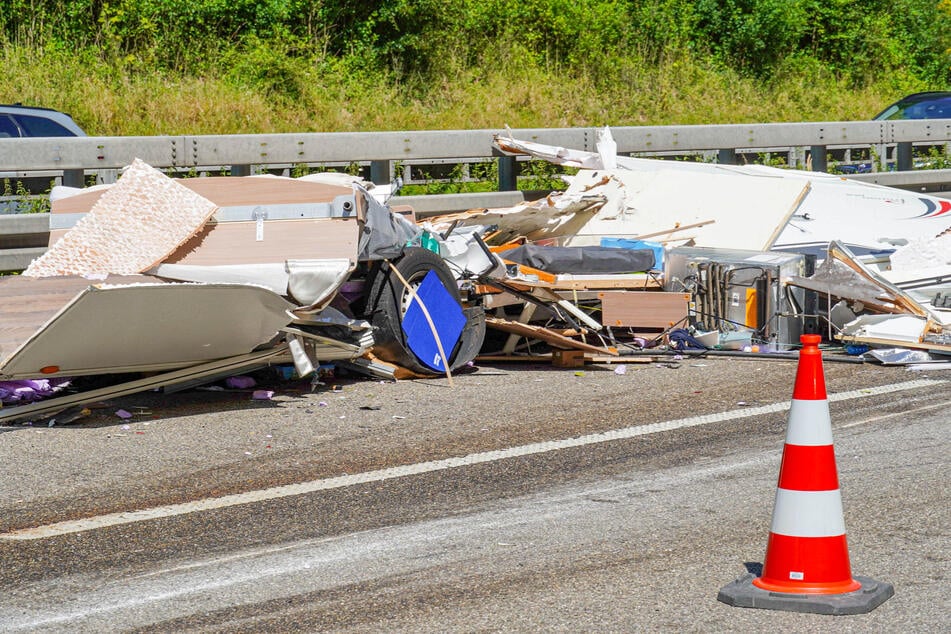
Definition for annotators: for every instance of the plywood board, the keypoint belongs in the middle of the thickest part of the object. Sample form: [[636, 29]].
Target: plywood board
[[643, 309], [237, 243]]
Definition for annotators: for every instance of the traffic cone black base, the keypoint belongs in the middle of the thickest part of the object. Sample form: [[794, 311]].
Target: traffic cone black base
[[743, 594]]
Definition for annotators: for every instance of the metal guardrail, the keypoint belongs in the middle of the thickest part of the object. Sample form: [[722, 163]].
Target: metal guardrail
[[24, 237], [323, 147]]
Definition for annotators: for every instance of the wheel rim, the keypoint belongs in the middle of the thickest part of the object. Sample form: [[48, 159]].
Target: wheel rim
[[406, 297]]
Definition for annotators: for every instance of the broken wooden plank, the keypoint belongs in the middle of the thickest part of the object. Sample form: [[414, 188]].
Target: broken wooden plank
[[932, 346], [567, 358], [546, 335]]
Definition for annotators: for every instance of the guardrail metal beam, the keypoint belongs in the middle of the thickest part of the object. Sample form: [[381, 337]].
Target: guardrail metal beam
[[90, 153]]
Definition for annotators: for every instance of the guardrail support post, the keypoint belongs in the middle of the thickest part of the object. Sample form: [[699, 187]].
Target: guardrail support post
[[726, 157], [380, 172], [507, 174], [817, 156], [903, 156], [241, 170], [74, 178]]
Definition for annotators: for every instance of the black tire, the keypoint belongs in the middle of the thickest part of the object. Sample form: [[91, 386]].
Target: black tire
[[388, 299]]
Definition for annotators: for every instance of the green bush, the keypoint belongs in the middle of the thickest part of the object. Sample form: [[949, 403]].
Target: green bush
[[293, 64]]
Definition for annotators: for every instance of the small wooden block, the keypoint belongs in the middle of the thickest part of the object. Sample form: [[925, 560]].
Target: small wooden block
[[567, 358]]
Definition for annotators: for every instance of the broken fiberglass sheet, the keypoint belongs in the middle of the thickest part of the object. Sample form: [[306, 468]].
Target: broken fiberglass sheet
[[921, 262], [727, 209], [30, 302], [897, 328], [149, 327], [556, 215], [865, 216]]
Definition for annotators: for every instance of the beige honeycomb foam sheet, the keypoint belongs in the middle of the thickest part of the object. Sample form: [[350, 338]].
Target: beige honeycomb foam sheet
[[133, 226]]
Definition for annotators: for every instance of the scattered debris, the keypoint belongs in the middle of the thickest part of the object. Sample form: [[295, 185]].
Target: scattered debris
[[29, 390], [165, 265], [240, 382], [751, 279], [636, 260]]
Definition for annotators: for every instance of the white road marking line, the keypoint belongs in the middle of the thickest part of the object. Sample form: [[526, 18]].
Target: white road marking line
[[379, 475], [906, 412]]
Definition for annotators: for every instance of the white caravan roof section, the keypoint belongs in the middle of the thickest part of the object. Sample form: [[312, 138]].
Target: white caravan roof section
[[716, 209], [865, 216]]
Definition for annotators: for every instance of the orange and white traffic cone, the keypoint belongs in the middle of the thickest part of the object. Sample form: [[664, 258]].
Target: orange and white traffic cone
[[807, 558]]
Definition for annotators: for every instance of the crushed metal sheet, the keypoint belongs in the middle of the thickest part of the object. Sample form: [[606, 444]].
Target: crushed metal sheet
[[136, 223]]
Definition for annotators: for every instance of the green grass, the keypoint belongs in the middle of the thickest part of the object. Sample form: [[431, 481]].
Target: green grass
[[340, 96]]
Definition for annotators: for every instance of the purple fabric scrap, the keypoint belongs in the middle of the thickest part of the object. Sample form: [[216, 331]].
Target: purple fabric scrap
[[29, 390], [240, 382]]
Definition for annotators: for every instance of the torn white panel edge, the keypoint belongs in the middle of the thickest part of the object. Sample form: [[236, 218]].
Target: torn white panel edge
[[313, 283], [303, 364], [310, 283], [902, 328]]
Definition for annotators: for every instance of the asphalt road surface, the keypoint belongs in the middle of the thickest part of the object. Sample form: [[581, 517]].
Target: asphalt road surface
[[521, 498]]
